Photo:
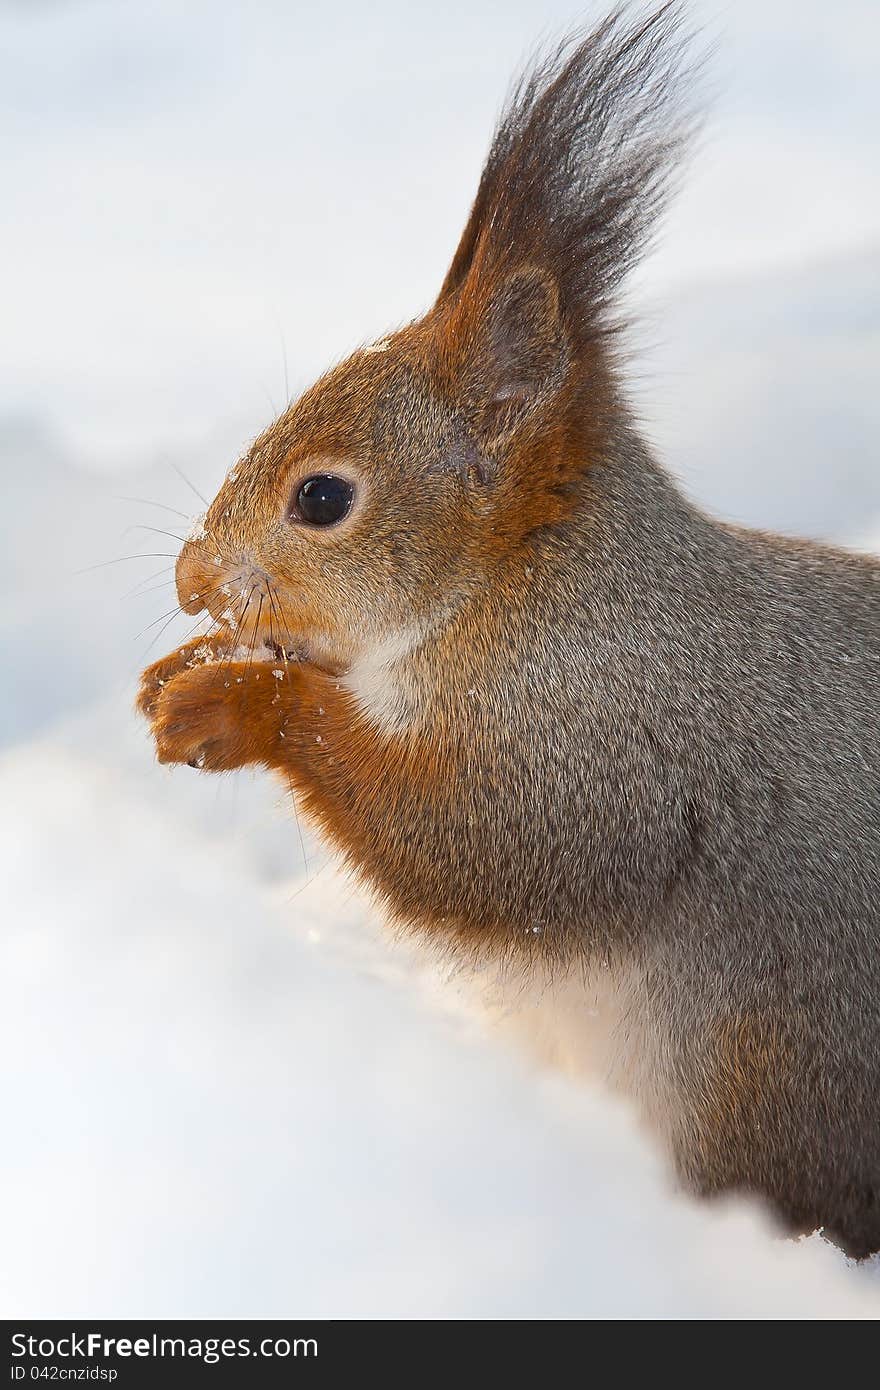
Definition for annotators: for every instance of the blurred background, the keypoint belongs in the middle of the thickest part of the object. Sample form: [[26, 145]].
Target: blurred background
[[226, 1092]]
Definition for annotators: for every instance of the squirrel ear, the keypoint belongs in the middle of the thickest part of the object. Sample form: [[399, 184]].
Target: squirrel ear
[[523, 349]]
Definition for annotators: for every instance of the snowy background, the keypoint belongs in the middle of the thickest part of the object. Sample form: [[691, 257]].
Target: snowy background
[[225, 1090]]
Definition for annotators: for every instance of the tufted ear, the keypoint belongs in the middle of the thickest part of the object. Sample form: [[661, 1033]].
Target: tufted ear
[[520, 351]]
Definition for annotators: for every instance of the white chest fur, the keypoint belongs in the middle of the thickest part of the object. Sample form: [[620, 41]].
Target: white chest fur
[[382, 684]]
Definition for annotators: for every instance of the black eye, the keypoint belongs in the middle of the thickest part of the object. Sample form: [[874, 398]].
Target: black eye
[[323, 499]]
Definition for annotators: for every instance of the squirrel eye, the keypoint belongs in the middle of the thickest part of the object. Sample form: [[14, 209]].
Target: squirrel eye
[[323, 499]]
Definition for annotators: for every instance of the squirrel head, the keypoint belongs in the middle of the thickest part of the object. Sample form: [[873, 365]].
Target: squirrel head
[[371, 508], [400, 482]]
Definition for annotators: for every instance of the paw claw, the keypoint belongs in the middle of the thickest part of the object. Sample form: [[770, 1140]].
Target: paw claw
[[197, 721]]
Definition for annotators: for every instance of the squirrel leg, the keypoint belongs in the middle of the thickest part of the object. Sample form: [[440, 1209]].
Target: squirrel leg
[[225, 715]]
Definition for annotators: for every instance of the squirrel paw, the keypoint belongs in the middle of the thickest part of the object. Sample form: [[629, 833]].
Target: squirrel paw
[[200, 651], [203, 716]]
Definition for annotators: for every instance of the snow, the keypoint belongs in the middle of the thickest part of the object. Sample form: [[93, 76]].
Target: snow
[[228, 1092]]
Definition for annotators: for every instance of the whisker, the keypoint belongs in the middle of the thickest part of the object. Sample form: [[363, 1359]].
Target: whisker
[[285, 619], [274, 597], [172, 613], [146, 502], [144, 555], [214, 624], [164, 570], [254, 636], [220, 587], [156, 532], [187, 635], [154, 589], [209, 630], [192, 486], [162, 629], [311, 879], [234, 642], [274, 643]]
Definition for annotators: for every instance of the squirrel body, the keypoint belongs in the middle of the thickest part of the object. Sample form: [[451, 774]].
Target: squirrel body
[[551, 712]]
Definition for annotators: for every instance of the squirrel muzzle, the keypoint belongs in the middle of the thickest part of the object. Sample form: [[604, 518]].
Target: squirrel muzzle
[[196, 576]]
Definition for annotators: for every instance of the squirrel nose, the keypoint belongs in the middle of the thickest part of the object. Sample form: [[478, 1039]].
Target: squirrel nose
[[195, 577]]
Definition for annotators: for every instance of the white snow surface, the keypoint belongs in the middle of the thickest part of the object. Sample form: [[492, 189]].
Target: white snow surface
[[230, 1093]]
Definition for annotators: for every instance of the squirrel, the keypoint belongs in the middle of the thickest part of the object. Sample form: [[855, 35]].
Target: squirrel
[[546, 708]]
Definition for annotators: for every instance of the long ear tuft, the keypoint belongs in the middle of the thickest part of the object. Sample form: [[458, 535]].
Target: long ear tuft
[[581, 164]]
